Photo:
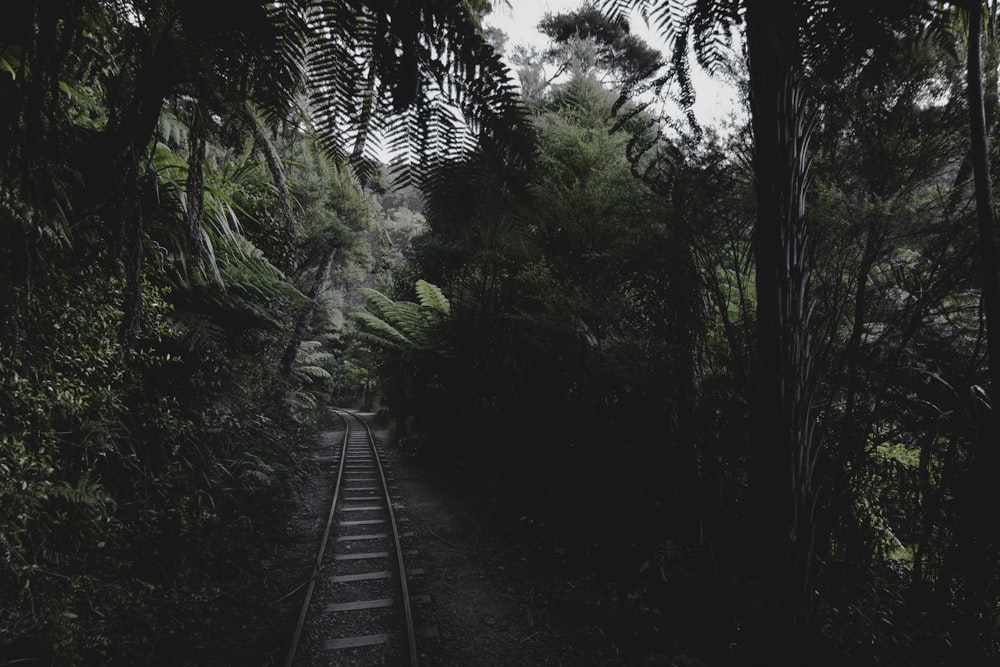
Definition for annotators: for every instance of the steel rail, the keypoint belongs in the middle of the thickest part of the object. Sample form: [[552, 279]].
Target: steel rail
[[411, 634], [404, 588], [317, 565]]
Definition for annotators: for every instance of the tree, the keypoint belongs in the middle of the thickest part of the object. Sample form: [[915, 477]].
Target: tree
[[145, 313], [786, 42], [585, 42], [615, 50], [979, 549]]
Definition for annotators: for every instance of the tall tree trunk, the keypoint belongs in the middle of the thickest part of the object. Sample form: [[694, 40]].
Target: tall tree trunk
[[986, 222], [118, 151], [130, 210], [782, 488], [978, 549], [195, 187], [273, 161], [305, 318]]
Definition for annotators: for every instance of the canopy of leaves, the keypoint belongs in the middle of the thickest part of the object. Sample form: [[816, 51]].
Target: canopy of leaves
[[617, 50]]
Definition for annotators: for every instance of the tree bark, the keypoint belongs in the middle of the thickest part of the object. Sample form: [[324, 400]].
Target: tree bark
[[986, 221], [195, 186], [978, 546], [130, 210], [273, 161], [305, 318], [782, 488]]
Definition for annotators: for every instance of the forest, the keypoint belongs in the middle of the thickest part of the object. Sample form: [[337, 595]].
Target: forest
[[751, 365]]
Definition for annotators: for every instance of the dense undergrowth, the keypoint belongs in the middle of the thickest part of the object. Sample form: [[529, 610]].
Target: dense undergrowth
[[128, 504], [590, 362], [581, 325]]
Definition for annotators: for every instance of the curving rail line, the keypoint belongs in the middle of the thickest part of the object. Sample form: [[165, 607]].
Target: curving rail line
[[354, 575]]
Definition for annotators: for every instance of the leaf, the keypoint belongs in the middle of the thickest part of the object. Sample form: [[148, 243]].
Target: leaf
[[313, 372], [432, 297], [381, 332], [7, 67]]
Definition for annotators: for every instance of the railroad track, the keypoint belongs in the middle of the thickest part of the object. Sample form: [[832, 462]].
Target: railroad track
[[357, 605]]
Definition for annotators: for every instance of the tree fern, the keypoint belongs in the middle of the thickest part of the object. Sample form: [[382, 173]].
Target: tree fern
[[704, 24], [313, 363], [393, 72], [307, 374], [375, 330], [404, 325], [432, 297], [228, 258], [85, 492], [413, 321], [197, 331]]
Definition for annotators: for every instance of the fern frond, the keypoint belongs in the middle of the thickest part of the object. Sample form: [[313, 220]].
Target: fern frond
[[319, 358], [378, 331], [403, 324], [432, 297], [312, 373], [86, 492], [410, 318], [198, 332], [404, 72], [309, 346], [380, 304]]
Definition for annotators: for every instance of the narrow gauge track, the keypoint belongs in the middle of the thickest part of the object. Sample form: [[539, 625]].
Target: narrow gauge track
[[357, 604]]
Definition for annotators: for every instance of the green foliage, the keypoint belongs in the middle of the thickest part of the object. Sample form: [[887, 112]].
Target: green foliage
[[623, 312], [615, 49], [68, 390], [229, 265], [95, 535], [572, 299], [314, 364], [404, 325], [432, 298], [599, 280], [900, 453]]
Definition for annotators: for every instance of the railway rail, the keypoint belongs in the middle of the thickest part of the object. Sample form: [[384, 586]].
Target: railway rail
[[357, 605]]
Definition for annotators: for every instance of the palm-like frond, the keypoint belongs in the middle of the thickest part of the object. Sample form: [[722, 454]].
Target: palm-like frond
[[312, 373], [198, 332], [245, 269], [432, 297], [281, 71], [377, 331], [404, 325], [313, 363], [413, 321], [704, 24], [86, 492], [230, 271], [411, 80]]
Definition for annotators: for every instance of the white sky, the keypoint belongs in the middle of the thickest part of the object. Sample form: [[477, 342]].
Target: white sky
[[714, 101]]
